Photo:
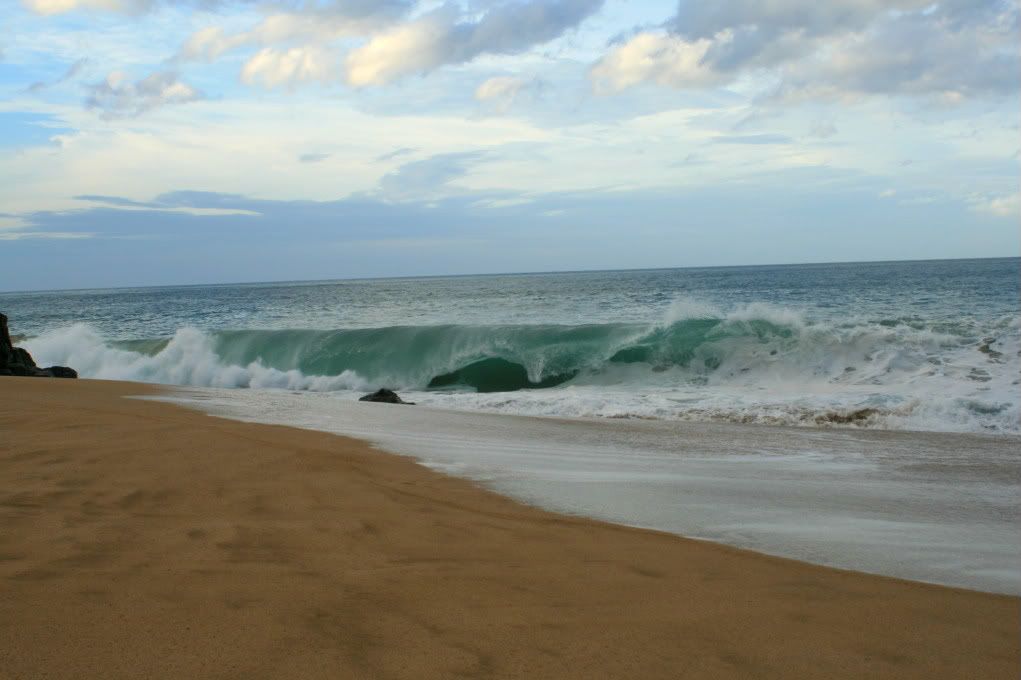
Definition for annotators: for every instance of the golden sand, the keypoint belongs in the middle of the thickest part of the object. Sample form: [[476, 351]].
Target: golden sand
[[143, 540]]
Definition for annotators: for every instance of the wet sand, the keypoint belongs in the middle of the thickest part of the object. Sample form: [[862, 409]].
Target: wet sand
[[140, 539]]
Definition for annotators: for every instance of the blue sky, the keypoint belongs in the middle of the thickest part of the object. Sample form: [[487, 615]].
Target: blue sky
[[158, 142]]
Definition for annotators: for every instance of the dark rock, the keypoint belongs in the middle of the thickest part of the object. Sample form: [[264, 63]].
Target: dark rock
[[986, 348], [61, 372], [853, 418], [385, 396], [17, 361], [21, 357], [5, 333]]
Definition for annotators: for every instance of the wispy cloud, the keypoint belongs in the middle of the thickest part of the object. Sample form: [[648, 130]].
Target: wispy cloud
[[753, 139], [427, 177], [396, 153], [1007, 205], [119, 96], [313, 157], [12, 235], [71, 73]]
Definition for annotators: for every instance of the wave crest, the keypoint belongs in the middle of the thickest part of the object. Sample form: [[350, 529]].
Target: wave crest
[[758, 363], [188, 358]]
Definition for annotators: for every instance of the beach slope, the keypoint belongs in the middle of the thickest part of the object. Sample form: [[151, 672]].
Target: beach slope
[[140, 539]]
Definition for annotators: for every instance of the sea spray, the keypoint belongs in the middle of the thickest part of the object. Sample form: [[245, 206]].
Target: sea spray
[[188, 358], [758, 362]]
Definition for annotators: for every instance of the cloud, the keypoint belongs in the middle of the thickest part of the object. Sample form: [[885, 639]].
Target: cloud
[[49, 7], [444, 36], [427, 177], [266, 239], [840, 49], [72, 72], [823, 129], [410, 48], [771, 19], [911, 54], [116, 201], [753, 139], [313, 157], [273, 68], [396, 153], [117, 96], [313, 43], [6, 235], [1008, 205], [22, 129], [656, 58], [500, 92], [61, 6], [316, 26]]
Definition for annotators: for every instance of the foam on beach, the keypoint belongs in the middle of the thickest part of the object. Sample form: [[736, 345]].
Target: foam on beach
[[927, 507]]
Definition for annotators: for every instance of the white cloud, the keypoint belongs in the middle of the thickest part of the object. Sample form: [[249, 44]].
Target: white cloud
[[414, 47], [272, 68], [25, 235], [314, 28], [656, 57], [949, 51], [442, 37], [210, 43], [118, 95], [911, 54], [61, 6], [500, 92], [1001, 206], [313, 44]]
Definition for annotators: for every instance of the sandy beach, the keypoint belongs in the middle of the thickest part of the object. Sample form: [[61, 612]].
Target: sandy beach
[[141, 539]]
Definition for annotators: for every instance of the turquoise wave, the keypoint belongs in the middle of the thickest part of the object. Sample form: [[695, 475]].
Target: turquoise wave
[[489, 358]]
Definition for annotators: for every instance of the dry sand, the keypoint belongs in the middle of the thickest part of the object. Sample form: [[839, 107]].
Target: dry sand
[[142, 540]]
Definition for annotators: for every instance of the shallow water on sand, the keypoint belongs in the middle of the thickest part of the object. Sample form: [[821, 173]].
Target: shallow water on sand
[[940, 508]]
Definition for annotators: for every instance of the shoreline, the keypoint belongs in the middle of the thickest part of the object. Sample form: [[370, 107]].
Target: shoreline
[[144, 538], [862, 500]]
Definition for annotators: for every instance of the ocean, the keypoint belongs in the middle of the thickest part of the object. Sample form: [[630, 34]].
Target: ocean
[[925, 346], [890, 390]]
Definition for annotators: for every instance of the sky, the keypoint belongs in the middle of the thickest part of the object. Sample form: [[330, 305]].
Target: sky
[[156, 142]]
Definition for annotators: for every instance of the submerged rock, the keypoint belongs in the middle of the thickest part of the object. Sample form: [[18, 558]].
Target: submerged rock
[[17, 361], [60, 372], [987, 349], [853, 418], [385, 396]]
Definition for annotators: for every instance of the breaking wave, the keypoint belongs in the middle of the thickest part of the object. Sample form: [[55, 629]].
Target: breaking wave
[[757, 363]]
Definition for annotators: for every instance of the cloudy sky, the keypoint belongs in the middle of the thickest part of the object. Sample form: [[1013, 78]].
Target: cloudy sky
[[191, 141]]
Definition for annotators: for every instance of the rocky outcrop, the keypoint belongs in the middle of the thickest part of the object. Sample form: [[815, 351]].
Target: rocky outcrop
[[17, 361], [385, 396]]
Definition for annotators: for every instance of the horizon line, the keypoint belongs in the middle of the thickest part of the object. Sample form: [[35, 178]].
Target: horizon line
[[495, 274]]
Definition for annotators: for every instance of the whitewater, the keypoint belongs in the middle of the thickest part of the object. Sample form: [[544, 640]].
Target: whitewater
[[906, 347]]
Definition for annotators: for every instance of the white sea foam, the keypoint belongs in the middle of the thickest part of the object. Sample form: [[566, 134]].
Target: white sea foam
[[188, 359], [941, 508], [757, 363]]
